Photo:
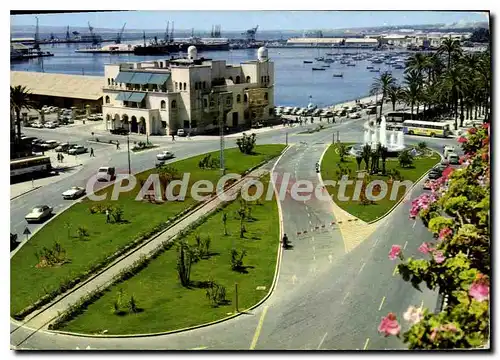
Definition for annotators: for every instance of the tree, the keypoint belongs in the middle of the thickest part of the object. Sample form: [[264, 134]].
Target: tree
[[184, 262], [20, 98], [450, 47], [405, 159], [412, 93], [422, 145], [359, 159], [224, 222], [342, 151], [366, 155], [166, 174], [384, 153], [395, 94], [480, 35], [246, 143], [382, 84]]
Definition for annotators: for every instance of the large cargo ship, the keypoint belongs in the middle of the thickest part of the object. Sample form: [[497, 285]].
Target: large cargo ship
[[181, 45]]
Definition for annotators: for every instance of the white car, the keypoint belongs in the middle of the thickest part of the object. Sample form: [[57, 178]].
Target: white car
[[73, 193], [355, 115], [50, 125], [37, 125], [165, 155], [80, 149], [38, 213]]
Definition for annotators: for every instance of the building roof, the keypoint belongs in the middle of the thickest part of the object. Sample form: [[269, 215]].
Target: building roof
[[330, 40], [60, 85]]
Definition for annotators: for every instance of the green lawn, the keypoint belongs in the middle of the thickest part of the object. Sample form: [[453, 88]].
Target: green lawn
[[166, 305], [29, 283], [378, 209]]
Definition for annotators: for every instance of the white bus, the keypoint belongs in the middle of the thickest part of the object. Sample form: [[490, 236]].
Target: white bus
[[426, 128], [33, 164]]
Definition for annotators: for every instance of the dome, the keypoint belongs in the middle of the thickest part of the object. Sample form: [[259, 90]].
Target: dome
[[192, 53], [262, 53], [311, 106]]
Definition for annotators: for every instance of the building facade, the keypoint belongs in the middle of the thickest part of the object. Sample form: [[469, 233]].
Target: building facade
[[162, 96]]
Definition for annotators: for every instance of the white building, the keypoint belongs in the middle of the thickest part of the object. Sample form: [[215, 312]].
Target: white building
[[161, 96]]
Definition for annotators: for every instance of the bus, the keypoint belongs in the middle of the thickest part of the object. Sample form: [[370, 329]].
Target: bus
[[426, 128], [398, 116], [30, 165]]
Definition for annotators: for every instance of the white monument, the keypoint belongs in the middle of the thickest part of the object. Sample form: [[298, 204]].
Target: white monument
[[375, 135]]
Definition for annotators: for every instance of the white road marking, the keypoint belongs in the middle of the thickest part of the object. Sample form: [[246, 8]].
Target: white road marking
[[321, 342], [330, 257], [309, 215], [314, 248], [422, 304], [381, 304], [414, 223], [294, 279], [345, 297], [406, 243], [366, 343], [314, 257], [200, 348], [362, 266]]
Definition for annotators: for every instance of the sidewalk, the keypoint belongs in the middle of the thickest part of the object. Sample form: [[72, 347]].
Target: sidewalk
[[41, 319]]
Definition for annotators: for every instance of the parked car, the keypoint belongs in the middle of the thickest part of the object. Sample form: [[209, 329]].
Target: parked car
[[428, 184], [355, 115], [74, 193], [38, 213], [79, 149], [37, 125], [106, 173], [453, 158], [435, 173], [50, 125], [165, 155], [50, 144], [181, 132], [371, 110], [119, 131], [63, 147]]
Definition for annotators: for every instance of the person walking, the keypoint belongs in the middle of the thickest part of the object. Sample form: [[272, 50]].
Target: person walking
[[108, 220], [92, 152], [285, 241], [58, 157], [117, 145], [173, 137], [62, 158]]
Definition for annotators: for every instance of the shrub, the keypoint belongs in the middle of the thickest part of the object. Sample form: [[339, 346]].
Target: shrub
[[117, 214], [405, 159], [237, 259], [132, 305], [82, 232], [246, 143], [184, 262], [216, 294]]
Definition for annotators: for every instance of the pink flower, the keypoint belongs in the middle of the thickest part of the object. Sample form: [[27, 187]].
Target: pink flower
[[424, 248], [389, 325], [433, 334], [472, 130], [445, 232], [462, 140], [479, 290], [486, 125], [413, 315], [449, 327], [438, 256], [395, 252]]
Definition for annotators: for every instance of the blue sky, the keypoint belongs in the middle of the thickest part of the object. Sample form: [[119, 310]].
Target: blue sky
[[238, 20]]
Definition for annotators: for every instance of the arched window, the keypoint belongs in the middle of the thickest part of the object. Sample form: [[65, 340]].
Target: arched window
[[245, 98], [174, 104], [248, 79], [175, 84], [204, 84], [107, 99], [237, 79], [268, 79], [265, 96], [163, 104], [196, 86], [108, 117], [238, 98], [205, 103], [185, 87], [109, 81]]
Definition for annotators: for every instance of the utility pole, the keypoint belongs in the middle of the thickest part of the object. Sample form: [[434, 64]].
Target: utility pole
[[286, 137], [221, 130], [128, 154]]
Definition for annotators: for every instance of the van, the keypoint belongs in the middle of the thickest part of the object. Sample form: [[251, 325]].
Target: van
[[106, 173], [453, 158], [181, 132], [447, 150]]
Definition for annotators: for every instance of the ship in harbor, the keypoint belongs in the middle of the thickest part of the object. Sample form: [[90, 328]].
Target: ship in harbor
[[181, 45]]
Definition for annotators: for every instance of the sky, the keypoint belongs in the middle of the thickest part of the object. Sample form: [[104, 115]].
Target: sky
[[240, 20]]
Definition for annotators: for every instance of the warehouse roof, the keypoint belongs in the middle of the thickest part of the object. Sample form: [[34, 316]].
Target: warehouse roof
[[61, 85]]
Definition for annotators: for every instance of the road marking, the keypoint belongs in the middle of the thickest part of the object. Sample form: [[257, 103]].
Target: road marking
[[314, 257], [330, 257], [259, 328], [362, 266], [345, 297], [321, 342], [366, 343], [294, 279], [309, 215], [406, 243], [200, 348], [422, 304], [414, 223], [395, 271], [381, 304], [314, 248]]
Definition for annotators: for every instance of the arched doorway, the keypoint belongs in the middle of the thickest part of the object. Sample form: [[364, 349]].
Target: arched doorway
[[116, 121], [235, 119], [125, 123], [142, 125], [133, 125]]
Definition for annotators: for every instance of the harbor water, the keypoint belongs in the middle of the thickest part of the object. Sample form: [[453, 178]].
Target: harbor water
[[295, 82]]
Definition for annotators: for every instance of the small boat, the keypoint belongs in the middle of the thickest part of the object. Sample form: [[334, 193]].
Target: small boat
[[318, 69], [375, 70], [369, 67], [325, 66], [338, 75], [319, 58], [329, 61], [307, 62], [344, 62], [351, 64]]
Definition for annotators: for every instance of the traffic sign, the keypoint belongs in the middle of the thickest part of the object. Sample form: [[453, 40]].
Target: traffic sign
[[26, 231]]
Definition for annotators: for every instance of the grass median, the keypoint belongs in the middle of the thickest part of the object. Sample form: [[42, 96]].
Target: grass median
[[78, 240], [376, 209], [163, 304]]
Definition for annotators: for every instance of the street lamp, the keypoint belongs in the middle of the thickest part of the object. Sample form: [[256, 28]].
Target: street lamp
[[128, 154]]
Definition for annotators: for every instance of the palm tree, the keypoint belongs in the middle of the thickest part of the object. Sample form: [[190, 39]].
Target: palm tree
[[412, 93], [20, 98], [450, 47], [437, 67], [418, 62], [382, 84], [454, 84], [366, 154], [384, 153], [395, 94]]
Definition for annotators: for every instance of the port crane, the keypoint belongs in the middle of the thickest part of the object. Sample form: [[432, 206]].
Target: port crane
[[95, 39], [167, 39], [250, 33], [68, 37], [36, 45], [120, 35]]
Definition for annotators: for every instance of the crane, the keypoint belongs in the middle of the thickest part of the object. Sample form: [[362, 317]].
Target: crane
[[251, 34], [120, 35], [95, 40], [36, 44], [68, 37], [166, 33]]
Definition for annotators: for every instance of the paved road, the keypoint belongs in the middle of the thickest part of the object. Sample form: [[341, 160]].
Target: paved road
[[325, 298]]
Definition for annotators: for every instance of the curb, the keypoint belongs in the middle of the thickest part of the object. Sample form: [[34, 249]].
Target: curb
[[26, 192], [269, 293]]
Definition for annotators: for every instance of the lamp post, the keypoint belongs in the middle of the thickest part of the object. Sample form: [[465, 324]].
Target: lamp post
[[221, 130], [128, 154]]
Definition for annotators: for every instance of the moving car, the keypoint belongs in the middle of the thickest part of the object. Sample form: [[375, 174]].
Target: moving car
[[119, 131], [37, 125], [435, 173], [370, 110], [63, 147], [106, 173], [73, 193], [428, 184], [165, 155], [355, 115], [453, 158], [79, 149], [50, 144], [39, 213], [50, 125]]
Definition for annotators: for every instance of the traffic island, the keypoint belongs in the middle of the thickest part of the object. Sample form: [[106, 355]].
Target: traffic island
[[89, 235], [223, 264], [337, 162]]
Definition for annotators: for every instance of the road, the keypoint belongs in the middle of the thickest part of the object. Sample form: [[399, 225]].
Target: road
[[328, 296]]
